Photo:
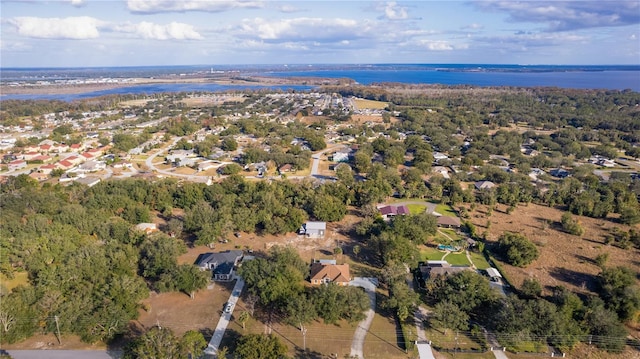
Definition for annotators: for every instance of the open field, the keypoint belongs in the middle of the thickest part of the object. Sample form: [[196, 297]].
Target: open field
[[211, 100], [370, 104], [565, 259], [140, 102]]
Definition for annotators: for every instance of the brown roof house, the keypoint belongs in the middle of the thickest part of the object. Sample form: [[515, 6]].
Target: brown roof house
[[448, 222], [327, 271]]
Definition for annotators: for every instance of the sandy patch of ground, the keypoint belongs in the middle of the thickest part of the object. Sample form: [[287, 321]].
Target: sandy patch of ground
[[565, 259]]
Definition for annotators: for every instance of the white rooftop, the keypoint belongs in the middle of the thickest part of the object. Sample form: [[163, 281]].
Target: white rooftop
[[316, 226]]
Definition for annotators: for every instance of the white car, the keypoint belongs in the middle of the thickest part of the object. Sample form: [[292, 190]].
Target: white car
[[228, 308]]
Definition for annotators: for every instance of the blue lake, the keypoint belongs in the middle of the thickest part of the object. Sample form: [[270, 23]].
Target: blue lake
[[578, 77]]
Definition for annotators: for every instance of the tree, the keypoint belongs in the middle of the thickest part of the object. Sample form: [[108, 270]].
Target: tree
[[402, 298], [530, 288], [517, 249], [193, 344], [156, 343], [619, 292], [571, 225], [260, 346], [159, 254], [300, 311], [448, 315], [242, 318], [356, 250], [328, 208], [189, 279], [468, 290], [229, 144]]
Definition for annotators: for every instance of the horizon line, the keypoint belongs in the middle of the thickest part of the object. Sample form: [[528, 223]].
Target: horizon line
[[315, 64]]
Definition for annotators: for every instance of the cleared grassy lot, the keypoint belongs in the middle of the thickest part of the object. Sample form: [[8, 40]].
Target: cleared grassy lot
[[370, 104]]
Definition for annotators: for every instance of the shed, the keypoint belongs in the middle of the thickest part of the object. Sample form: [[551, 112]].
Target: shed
[[493, 273], [314, 229]]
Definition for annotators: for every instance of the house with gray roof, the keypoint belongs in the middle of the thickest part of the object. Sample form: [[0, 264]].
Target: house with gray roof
[[221, 264]]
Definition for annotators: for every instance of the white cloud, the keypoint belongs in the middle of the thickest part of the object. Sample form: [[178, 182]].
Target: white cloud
[[392, 11], [14, 46], [473, 26], [157, 6], [435, 45], [76, 28], [172, 31], [78, 3], [302, 29], [568, 15]]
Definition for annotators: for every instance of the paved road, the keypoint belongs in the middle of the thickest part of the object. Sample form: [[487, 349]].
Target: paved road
[[316, 159], [64, 354], [225, 318], [369, 285]]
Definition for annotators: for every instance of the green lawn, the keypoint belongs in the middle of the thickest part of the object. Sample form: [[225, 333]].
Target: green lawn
[[479, 260], [416, 208], [449, 341], [457, 259], [529, 347], [431, 254], [446, 210]]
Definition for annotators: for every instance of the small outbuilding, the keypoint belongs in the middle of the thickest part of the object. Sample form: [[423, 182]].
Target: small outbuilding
[[314, 229]]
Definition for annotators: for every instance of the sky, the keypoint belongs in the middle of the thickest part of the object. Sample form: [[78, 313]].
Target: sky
[[96, 33]]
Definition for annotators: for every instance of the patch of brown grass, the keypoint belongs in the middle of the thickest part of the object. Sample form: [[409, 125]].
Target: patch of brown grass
[[565, 259]]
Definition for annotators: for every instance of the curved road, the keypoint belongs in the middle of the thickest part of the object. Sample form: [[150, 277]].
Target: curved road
[[369, 285]]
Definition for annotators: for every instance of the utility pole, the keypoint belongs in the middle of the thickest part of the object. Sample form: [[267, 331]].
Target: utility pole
[[57, 329]]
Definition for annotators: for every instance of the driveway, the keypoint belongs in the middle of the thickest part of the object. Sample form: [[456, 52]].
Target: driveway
[[225, 318], [369, 285], [316, 159]]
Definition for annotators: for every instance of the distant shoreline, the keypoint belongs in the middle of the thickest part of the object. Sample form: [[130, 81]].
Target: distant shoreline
[[35, 89]]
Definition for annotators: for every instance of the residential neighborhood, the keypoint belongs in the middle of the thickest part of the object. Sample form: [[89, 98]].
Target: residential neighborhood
[[385, 224]]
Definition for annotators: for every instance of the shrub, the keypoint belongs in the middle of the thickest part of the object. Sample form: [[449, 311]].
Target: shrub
[[570, 225], [517, 249]]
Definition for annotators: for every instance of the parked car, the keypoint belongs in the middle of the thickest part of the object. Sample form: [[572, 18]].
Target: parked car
[[228, 308]]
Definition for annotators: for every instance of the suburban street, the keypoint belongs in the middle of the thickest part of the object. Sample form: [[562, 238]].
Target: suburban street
[[225, 318], [369, 285]]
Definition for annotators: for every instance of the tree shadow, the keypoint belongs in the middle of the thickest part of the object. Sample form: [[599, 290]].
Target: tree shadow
[[230, 340], [585, 259], [578, 279], [307, 354]]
